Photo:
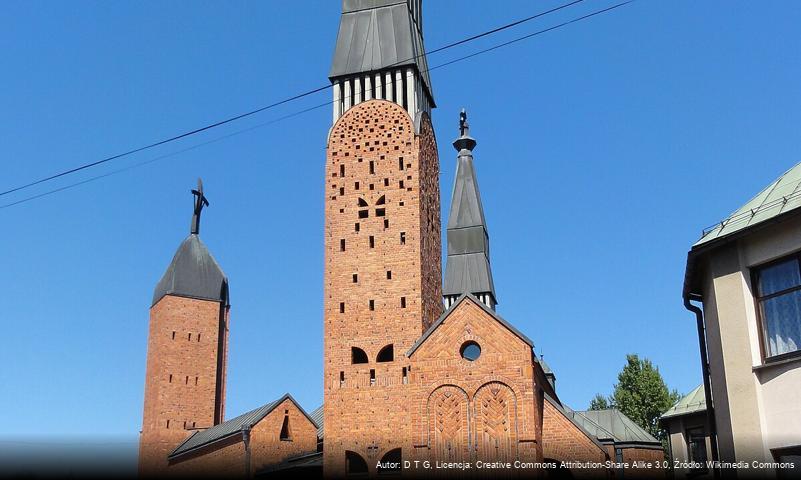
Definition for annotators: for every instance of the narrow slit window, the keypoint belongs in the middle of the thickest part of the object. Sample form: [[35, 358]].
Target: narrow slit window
[[186, 382], [403, 302], [372, 167], [386, 182], [372, 305], [372, 376], [342, 190], [372, 241], [356, 185], [173, 335], [355, 278], [342, 245], [285, 433], [198, 337], [357, 226], [400, 163], [195, 380], [170, 380], [389, 274], [400, 183], [341, 307], [386, 223], [341, 379], [168, 424], [342, 170], [403, 238], [189, 337], [405, 376]]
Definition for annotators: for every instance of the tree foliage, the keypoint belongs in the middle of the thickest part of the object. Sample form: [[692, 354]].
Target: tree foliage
[[641, 394]]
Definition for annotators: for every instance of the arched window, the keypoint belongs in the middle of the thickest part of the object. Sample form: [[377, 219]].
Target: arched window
[[390, 463], [363, 209], [357, 355], [380, 212], [387, 354], [355, 464]]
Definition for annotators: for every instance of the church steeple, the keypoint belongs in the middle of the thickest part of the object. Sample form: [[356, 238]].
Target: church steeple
[[467, 269], [380, 54]]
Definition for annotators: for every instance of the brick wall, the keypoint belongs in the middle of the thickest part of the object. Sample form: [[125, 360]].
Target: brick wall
[[229, 459], [564, 441], [486, 409], [185, 375], [384, 287]]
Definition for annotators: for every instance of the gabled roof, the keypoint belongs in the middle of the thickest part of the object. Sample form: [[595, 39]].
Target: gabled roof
[[464, 297], [693, 402], [611, 425], [781, 196], [376, 35], [193, 273], [232, 427]]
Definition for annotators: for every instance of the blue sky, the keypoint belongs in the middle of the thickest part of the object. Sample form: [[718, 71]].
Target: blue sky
[[603, 150]]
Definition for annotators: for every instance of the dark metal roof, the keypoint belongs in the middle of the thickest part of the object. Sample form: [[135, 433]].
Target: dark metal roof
[[447, 312], [378, 35], [193, 273], [318, 420], [231, 427], [467, 268], [611, 425], [569, 414]]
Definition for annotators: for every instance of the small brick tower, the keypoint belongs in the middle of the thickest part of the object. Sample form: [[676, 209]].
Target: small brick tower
[[382, 230], [186, 350]]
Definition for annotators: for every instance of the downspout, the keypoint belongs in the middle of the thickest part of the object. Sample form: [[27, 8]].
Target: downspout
[[246, 441], [710, 413]]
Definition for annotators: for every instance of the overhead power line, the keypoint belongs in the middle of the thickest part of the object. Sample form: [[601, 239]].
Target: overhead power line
[[276, 120], [275, 104]]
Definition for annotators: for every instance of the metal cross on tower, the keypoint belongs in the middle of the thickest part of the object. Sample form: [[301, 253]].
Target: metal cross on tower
[[200, 202]]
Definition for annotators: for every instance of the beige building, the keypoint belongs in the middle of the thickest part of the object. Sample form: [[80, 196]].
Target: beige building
[[689, 440], [746, 273]]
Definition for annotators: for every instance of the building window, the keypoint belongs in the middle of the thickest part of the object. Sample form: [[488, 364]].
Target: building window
[[355, 464], [778, 298], [286, 435], [696, 448], [357, 355], [390, 463], [387, 354], [470, 351]]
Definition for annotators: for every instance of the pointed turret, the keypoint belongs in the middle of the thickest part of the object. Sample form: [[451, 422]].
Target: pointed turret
[[468, 265], [380, 54]]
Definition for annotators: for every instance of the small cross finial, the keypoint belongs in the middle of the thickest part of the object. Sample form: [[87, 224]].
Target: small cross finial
[[200, 202], [464, 128], [465, 141]]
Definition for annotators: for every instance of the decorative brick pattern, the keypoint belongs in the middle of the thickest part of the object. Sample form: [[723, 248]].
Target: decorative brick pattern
[[185, 375], [382, 206]]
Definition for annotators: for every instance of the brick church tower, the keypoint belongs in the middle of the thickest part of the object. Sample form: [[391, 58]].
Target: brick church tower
[[382, 229], [186, 350]]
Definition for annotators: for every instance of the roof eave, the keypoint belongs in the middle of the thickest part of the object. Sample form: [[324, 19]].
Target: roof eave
[[700, 249]]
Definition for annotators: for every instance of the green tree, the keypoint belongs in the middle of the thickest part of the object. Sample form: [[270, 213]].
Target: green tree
[[641, 394], [599, 402]]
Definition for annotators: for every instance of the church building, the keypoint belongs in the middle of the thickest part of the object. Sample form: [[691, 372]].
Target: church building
[[417, 366]]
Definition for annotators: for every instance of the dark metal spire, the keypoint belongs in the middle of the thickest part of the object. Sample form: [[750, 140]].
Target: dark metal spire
[[200, 202], [467, 268], [193, 272]]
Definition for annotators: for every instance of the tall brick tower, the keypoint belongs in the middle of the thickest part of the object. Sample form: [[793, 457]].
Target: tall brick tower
[[382, 230], [186, 350]]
